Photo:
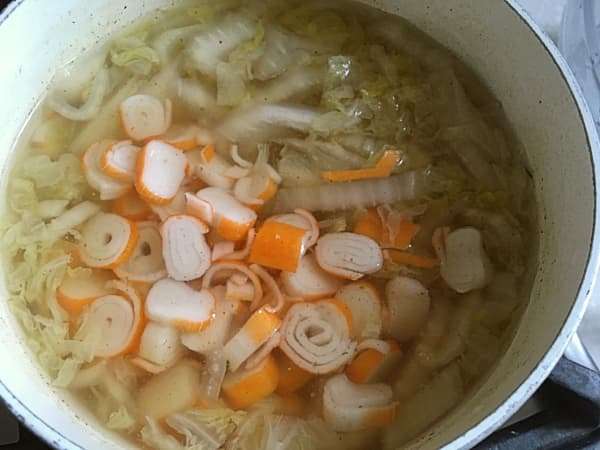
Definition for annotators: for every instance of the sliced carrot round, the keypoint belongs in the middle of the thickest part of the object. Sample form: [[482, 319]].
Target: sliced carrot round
[[145, 264], [107, 240], [245, 387], [185, 251], [160, 170], [114, 323], [182, 136], [256, 331], [175, 303], [231, 219], [108, 187], [278, 245], [119, 159], [132, 207], [144, 116], [81, 287]]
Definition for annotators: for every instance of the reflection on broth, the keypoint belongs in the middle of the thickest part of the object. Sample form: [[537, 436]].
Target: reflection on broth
[[268, 225]]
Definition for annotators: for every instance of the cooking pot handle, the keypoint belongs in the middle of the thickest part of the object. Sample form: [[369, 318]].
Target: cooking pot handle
[[570, 418]]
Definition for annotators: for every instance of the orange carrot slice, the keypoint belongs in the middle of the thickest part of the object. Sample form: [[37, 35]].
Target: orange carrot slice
[[160, 170], [118, 160], [175, 303], [374, 361], [78, 290], [107, 240], [410, 259], [382, 169], [132, 207], [278, 245], [144, 116], [245, 387], [291, 377], [182, 136], [257, 330], [369, 224]]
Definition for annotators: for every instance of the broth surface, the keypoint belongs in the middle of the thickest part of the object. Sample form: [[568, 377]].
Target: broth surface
[[269, 225]]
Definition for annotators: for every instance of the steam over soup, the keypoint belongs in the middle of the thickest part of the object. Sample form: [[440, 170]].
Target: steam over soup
[[268, 225]]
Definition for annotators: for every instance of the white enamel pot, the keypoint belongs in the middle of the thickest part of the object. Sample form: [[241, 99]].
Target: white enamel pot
[[519, 64]]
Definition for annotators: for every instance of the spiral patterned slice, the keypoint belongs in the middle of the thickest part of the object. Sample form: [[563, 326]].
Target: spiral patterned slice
[[316, 336]]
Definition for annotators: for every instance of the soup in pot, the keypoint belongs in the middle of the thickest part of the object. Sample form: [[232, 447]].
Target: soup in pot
[[268, 225]]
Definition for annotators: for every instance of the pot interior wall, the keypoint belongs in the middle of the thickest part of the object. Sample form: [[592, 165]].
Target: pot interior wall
[[491, 38]]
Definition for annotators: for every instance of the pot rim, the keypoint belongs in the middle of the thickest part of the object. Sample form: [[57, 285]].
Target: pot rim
[[541, 371], [517, 398]]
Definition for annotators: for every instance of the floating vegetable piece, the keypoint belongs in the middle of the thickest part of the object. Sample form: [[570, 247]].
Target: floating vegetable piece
[[382, 169], [352, 407], [228, 216], [316, 336], [291, 377], [374, 361], [274, 291], [239, 292], [175, 207], [145, 264], [107, 240], [146, 365], [222, 249], [348, 255], [119, 160], [160, 171], [184, 248], [132, 207], [309, 281], [464, 264], [278, 245], [176, 389], [408, 305], [116, 323], [182, 136], [364, 302], [396, 232], [80, 288], [256, 331], [175, 303], [160, 344], [355, 194], [144, 116], [247, 386], [108, 187]]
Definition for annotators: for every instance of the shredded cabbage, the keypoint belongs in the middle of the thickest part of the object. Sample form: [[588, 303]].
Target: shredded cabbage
[[133, 53]]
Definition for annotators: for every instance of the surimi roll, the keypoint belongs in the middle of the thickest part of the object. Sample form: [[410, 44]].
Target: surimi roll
[[352, 407], [316, 336], [145, 264], [144, 116], [108, 187]]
